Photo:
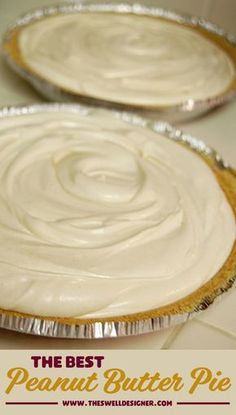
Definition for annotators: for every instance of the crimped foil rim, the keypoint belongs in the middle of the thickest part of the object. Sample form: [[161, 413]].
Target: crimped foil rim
[[188, 109], [139, 323]]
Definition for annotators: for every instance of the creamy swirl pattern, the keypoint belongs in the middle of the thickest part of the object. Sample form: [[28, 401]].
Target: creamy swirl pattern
[[101, 218], [126, 58]]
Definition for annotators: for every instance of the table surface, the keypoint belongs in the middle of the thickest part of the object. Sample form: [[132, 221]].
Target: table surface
[[214, 328]]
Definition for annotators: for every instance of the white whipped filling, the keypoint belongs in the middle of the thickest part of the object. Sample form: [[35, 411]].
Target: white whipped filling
[[102, 218], [126, 58]]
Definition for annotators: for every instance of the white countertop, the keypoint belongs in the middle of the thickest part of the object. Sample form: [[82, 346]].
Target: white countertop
[[214, 328]]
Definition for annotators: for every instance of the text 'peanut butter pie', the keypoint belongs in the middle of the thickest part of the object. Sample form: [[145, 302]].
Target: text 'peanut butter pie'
[[137, 60], [100, 218]]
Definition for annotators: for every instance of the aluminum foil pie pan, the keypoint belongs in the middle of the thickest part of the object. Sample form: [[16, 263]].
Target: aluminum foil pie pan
[[188, 109], [149, 321]]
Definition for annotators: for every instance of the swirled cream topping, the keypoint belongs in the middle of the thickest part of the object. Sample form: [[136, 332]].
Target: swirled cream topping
[[99, 217], [129, 59]]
